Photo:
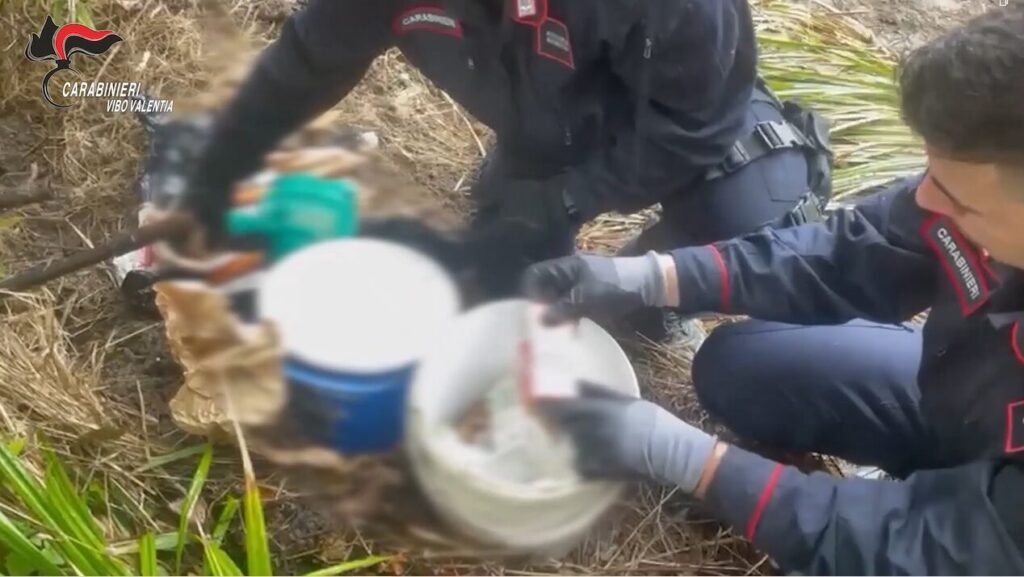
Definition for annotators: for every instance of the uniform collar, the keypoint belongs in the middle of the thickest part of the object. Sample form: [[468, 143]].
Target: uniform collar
[[1006, 305]]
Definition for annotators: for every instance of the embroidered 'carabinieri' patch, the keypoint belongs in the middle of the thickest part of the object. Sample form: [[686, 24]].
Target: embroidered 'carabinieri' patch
[[960, 262], [429, 18]]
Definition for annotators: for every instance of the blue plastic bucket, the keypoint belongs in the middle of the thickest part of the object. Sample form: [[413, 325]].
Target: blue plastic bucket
[[354, 317], [353, 412]]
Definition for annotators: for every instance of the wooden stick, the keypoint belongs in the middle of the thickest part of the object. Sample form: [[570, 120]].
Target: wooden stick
[[169, 228]]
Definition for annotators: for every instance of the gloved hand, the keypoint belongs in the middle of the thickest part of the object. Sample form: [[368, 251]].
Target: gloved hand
[[207, 198], [618, 437], [529, 212], [603, 288], [532, 202]]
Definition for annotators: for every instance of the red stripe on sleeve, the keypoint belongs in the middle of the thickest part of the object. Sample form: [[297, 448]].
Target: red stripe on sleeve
[[723, 274], [762, 502], [1015, 343]]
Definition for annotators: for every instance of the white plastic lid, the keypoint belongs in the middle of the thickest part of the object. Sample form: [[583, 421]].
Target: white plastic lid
[[358, 305]]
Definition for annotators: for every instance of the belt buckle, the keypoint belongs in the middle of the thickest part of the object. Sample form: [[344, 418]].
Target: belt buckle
[[767, 133], [737, 158], [807, 210]]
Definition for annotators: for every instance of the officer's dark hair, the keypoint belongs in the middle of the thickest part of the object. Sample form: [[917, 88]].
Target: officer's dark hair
[[963, 92]]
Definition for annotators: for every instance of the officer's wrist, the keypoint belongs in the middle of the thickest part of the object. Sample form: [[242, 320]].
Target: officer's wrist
[[710, 468], [669, 279]]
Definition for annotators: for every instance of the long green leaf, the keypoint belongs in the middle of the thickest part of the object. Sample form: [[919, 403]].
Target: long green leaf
[[25, 487], [348, 566], [161, 542], [82, 14], [219, 562], [32, 496], [198, 481], [74, 510], [227, 515], [73, 517], [147, 555], [169, 458], [257, 549], [829, 62], [17, 543]]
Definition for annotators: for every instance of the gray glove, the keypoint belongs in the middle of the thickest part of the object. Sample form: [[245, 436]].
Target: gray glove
[[619, 437], [603, 288]]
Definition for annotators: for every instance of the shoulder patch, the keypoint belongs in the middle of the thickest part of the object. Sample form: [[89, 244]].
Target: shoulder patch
[[553, 41], [428, 18], [1015, 427], [529, 12], [526, 8], [959, 260]]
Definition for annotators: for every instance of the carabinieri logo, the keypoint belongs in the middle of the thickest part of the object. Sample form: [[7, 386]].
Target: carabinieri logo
[[61, 43]]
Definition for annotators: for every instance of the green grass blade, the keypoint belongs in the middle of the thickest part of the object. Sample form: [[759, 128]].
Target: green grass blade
[[16, 446], [227, 515], [24, 485], [32, 496], [83, 15], [63, 494], [161, 542], [219, 562], [348, 566], [257, 550], [198, 481], [831, 63], [147, 555], [73, 518], [169, 458], [17, 543]]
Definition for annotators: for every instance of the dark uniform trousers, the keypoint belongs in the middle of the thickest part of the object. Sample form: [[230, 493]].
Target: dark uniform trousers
[[847, 390], [760, 193]]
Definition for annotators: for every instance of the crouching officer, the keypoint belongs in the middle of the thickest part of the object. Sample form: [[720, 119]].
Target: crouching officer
[[597, 106], [831, 365]]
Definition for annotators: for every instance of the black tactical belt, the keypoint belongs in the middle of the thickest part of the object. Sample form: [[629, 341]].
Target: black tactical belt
[[766, 138]]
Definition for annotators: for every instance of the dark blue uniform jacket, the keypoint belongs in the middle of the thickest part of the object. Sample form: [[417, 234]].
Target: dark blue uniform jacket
[[885, 260], [625, 101]]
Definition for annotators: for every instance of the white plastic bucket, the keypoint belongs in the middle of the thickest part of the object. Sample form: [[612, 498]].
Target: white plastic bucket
[[479, 349], [355, 315]]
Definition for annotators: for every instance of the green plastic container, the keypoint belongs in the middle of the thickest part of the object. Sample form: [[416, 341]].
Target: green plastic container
[[298, 210]]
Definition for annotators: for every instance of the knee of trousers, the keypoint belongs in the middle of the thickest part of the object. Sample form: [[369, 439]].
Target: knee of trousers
[[712, 372]]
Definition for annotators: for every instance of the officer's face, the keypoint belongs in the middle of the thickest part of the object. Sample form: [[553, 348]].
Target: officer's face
[[984, 200]]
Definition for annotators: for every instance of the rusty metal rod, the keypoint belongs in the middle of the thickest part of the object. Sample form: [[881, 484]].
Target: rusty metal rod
[[175, 226]]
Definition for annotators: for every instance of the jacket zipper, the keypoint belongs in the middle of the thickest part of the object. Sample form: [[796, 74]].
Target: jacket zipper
[[641, 100]]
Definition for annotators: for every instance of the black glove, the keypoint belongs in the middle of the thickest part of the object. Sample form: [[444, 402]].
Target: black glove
[[278, 97], [533, 203], [620, 437], [531, 212], [602, 288]]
